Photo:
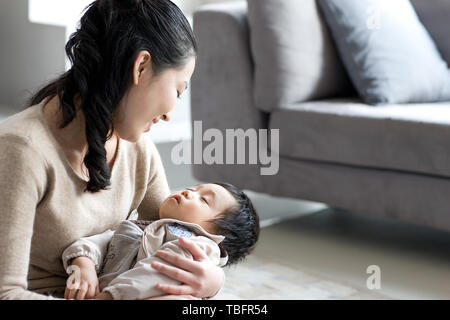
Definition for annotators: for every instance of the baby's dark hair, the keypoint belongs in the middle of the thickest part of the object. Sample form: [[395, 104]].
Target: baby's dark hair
[[238, 224]]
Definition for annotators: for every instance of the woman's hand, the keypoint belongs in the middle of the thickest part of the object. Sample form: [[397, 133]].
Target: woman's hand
[[88, 287], [199, 278]]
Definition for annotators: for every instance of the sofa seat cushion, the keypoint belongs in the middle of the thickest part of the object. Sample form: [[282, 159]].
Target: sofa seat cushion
[[411, 137]]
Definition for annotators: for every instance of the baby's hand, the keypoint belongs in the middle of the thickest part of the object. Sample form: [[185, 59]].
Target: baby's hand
[[88, 287]]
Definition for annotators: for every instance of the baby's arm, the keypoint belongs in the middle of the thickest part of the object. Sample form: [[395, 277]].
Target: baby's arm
[[140, 281], [81, 260], [93, 247]]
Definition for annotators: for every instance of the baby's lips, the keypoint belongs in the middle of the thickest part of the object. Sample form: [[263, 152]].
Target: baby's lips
[[177, 198]]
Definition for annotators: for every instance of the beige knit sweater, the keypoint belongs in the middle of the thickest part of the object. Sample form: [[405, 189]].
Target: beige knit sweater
[[43, 208]]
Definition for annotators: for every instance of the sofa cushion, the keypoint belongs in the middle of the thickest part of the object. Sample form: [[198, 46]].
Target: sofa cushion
[[387, 52], [413, 137], [434, 15], [294, 55]]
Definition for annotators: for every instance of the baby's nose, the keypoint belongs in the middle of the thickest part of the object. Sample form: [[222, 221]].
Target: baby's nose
[[186, 194], [167, 116]]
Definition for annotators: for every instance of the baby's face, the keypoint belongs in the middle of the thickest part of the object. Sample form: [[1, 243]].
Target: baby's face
[[197, 204]]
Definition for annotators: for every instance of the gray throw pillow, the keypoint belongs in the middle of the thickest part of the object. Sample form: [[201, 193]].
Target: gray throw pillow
[[294, 54], [387, 52]]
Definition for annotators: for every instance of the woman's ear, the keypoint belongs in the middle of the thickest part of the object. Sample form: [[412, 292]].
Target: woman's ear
[[142, 64]]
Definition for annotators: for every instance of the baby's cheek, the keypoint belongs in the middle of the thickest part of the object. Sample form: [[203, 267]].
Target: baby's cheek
[[165, 210]]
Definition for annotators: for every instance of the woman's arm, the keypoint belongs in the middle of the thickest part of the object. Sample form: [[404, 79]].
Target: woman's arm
[[22, 185]]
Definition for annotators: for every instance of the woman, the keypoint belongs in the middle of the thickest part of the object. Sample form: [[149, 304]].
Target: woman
[[76, 162]]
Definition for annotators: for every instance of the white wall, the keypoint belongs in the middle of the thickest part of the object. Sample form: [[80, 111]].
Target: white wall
[[30, 54], [33, 34], [180, 127], [64, 13]]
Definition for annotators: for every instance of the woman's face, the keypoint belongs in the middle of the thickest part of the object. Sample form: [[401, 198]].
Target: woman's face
[[150, 98]]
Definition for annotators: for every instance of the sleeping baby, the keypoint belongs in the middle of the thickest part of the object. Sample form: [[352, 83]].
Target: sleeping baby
[[217, 217]]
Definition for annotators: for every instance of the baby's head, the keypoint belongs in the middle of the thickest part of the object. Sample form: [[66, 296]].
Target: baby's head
[[220, 208]]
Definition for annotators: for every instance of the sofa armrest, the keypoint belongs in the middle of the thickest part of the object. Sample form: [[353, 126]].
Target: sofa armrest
[[222, 85]]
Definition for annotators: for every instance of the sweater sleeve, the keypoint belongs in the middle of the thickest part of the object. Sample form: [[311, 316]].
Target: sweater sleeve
[[157, 187], [23, 182]]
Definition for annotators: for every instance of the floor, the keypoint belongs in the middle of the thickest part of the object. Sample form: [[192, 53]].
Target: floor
[[414, 261]]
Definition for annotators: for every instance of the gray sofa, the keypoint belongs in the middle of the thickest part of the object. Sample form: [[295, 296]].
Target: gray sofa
[[391, 161]]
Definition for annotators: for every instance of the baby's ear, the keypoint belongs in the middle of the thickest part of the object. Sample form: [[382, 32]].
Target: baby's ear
[[223, 252]]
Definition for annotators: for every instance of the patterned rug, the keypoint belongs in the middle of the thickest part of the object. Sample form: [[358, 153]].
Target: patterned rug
[[256, 279]]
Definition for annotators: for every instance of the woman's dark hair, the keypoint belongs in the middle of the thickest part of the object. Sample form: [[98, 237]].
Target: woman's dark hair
[[239, 224], [102, 52]]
